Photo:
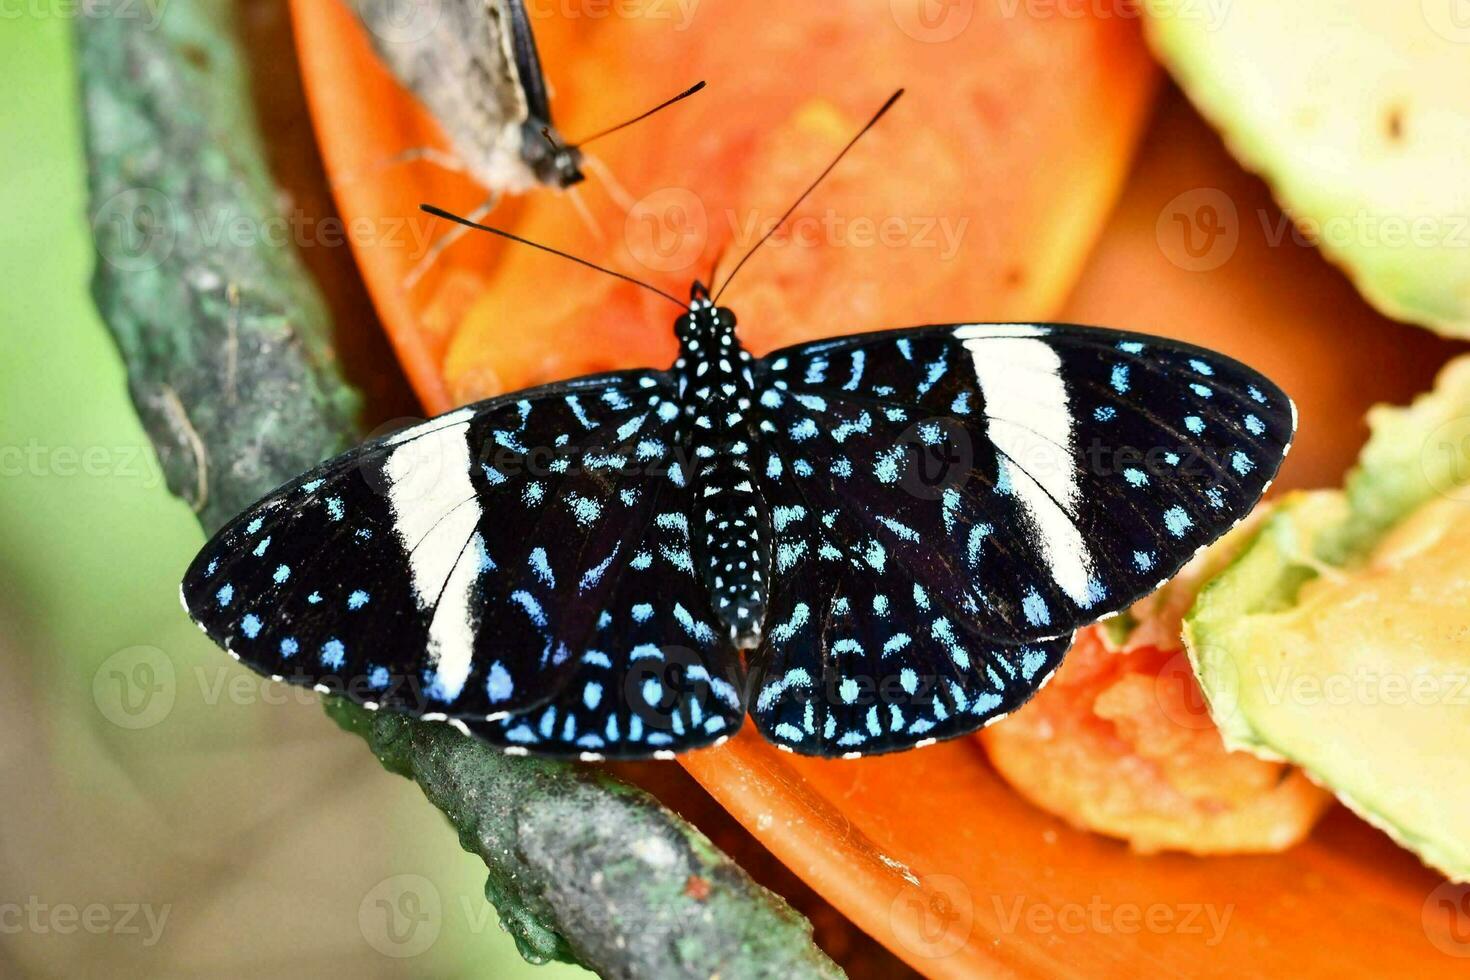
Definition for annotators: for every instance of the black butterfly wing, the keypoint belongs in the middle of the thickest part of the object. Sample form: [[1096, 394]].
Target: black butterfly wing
[[656, 676], [860, 658], [460, 568], [1033, 477]]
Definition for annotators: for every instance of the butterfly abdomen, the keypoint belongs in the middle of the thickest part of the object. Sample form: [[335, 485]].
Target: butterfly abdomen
[[733, 536]]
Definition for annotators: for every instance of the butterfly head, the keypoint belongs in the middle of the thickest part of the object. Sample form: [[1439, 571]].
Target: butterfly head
[[552, 161], [705, 324]]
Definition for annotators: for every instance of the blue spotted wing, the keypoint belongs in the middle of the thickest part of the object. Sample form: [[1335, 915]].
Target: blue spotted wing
[[523, 553], [950, 503]]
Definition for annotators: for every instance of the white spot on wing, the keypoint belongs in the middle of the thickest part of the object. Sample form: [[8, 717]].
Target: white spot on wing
[[1030, 422], [435, 514]]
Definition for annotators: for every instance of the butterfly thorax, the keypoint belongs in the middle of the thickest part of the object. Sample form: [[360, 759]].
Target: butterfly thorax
[[730, 527]]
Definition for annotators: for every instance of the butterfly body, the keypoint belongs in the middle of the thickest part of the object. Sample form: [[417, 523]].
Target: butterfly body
[[864, 544], [731, 520]]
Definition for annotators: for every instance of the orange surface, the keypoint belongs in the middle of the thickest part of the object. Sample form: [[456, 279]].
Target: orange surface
[[1027, 126]]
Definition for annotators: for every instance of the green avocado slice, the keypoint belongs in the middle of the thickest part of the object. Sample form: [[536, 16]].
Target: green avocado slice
[[1355, 112], [1339, 639]]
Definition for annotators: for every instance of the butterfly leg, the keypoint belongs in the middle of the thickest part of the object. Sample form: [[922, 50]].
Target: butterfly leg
[[615, 189], [418, 154]]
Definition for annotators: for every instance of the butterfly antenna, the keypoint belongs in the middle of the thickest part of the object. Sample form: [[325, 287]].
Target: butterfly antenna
[[806, 193], [546, 132], [441, 213]]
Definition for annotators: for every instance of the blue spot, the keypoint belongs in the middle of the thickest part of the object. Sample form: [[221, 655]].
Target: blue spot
[[1143, 560], [1136, 477], [310, 487], [357, 599], [584, 509], [908, 680], [250, 625], [498, 684], [1256, 395], [1241, 463], [1130, 347], [642, 612], [289, 646], [314, 598], [1177, 521], [653, 691], [542, 567], [1254, 425], [1035, 609], [1202, 391], [225, 594], [886, 467], [1202, 367], [961, 404], [333, 654], [848, 690], [1105, 414], [334, 508], [1120, 378], [265, 543], [533, 608], [378, 678], [283, 572], [592, 695], [1171, 458], [254, 525], [1194, 424]]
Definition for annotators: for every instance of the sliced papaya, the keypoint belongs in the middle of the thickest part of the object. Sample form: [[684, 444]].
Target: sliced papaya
[[1340, 640], [977, 198], [1355, 112], [1121, 742]]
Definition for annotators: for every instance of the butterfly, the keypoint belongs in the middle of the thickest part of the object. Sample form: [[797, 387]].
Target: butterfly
[[865, 544], [474, 65]]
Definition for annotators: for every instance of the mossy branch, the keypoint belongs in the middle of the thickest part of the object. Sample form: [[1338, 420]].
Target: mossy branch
[[227, 345]]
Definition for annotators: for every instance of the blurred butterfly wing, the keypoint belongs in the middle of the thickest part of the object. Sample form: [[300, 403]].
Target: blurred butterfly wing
[[462, 567], [473, 65], [1031, 477]]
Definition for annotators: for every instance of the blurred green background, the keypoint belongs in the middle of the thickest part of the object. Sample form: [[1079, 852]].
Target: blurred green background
[[165, 812]]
